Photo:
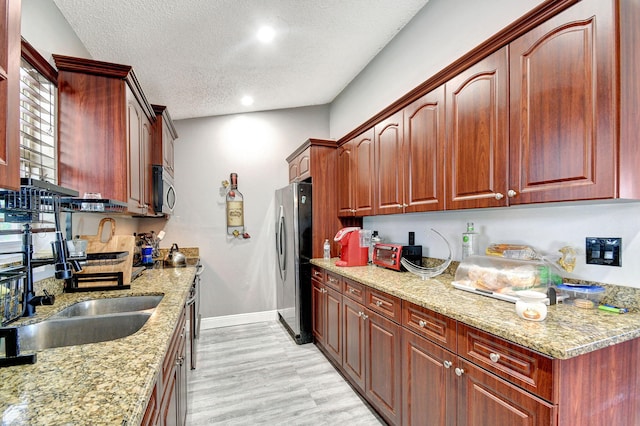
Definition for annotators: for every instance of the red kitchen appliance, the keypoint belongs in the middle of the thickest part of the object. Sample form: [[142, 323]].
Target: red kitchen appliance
[[351, 253], [389, 255]]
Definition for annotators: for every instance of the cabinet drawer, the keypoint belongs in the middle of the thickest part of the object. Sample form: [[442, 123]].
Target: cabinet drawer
[[317, 274], [383, 303], [436, 327], [521, 366], [353, 290], [334, 281]]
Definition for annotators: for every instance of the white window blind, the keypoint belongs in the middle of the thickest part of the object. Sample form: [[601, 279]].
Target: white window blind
[[38, 149]]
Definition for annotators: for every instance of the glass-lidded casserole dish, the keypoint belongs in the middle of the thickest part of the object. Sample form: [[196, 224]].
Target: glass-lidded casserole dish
[[501, 277]]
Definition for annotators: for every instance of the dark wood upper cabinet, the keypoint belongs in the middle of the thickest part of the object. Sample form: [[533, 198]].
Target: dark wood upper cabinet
[[356, 176], [389, 173], [478, 137], [563, 107], [104, 138], [164, 137], [10, 94], [423, 153]]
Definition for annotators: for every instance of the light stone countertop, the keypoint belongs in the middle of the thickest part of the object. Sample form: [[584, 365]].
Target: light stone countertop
[[107, 383], [567, 331]]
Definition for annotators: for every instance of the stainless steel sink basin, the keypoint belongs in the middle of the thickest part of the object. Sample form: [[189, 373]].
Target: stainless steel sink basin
[[109, 306], [54, 333]]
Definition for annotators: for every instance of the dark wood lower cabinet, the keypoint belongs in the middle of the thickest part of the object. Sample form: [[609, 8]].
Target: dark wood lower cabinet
[[353, 329], [383, 365], [167, 405], [486, 400], [428, 392]]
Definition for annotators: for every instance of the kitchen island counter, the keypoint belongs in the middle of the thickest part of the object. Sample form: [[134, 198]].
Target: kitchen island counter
[[106, 383], [567, 331]]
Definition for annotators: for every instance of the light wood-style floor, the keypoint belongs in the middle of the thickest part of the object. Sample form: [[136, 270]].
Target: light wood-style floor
[[255, 374]]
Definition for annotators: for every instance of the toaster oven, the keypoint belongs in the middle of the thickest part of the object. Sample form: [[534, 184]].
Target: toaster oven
[[389, 255]]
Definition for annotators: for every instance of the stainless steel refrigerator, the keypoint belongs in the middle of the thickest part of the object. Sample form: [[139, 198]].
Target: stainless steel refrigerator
[[293, 247]]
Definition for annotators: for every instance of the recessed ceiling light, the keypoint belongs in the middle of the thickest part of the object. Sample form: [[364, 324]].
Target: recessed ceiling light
[[247, 100], [266, 34]]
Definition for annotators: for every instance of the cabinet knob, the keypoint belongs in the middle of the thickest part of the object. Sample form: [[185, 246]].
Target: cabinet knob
[[499, 196], [360, 314], [422, 323], [511, 193], [447, 364], [459, 371], [494, 357], [378, 303], [365, 316]]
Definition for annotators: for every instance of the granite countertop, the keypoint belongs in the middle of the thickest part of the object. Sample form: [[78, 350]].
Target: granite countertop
[[107, 383], [567, 331]]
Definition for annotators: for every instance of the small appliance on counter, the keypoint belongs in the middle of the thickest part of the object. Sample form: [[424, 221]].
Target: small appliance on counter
[[388, 255], [352, 253]]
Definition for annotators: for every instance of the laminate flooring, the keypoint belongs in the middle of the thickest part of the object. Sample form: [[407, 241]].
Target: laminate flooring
[[255, 374]]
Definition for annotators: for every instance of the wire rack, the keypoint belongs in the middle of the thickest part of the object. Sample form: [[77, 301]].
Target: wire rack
[[12, 282]]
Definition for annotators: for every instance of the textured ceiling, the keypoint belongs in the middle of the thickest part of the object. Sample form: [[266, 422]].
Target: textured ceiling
[[199, 57]]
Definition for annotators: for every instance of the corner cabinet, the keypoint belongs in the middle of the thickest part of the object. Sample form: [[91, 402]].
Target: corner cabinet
[[105, 132], [10, 49]]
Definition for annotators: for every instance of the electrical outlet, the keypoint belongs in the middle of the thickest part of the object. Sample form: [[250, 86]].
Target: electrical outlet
[[604, 251]]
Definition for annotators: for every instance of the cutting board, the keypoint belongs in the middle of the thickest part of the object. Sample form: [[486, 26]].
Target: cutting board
[[110, 243]]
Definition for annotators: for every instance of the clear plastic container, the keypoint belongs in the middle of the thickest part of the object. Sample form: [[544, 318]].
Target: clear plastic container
[[586, 297], [502, 275]]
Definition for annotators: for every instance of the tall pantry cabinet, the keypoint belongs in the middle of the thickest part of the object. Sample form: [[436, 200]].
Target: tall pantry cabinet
[[10, 94]]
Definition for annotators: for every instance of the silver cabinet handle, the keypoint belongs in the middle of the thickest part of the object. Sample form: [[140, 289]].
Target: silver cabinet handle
[[499, 196], [447, 364], [352, 290], [422, 323], [360, 314], [459, 371], [511, 193], [494, 357], [378, 303], [365, 316]]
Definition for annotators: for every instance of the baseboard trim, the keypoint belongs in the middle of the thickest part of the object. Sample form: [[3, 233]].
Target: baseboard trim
[[239, 319]]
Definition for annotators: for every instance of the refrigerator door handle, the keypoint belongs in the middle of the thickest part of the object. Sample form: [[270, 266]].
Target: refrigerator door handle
[[281, 243]]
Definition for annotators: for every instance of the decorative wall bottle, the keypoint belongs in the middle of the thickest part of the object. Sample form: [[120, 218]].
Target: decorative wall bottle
[[235, 208]]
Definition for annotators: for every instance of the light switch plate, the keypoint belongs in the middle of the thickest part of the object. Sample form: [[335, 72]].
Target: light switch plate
[[604, 251]]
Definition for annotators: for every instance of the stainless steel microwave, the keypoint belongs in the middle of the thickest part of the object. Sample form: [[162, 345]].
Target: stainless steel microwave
[[164, 193]]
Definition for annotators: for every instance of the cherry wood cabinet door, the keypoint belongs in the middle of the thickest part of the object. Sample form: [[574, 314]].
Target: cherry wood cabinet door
[[485, 400], [346, 176], [563, 113], [318, 318], [353, 329], [363, 189], [333, 336], [389, 173], [428, 392], [423, 153], [10, 94], [477, 123], [383, 364]]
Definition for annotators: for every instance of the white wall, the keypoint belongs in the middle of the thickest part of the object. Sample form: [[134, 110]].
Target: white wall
[[239, 275], [443, 31], [546, 228]]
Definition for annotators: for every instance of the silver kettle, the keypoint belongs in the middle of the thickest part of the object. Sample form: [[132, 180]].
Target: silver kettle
[[175, 259]]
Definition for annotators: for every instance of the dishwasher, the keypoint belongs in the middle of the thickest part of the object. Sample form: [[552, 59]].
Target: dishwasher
[[193, 304]]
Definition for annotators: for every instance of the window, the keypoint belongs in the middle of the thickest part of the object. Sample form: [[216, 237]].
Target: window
[[38, 135]]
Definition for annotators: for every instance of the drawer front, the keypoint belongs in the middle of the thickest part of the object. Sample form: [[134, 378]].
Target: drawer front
[[518, 365], [383, 303], [438, 328], [334, 281], [353, 290], [317, 274]]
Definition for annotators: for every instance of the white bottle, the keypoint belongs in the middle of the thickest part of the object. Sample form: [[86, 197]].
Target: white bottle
[[327, 250], [469, 241]]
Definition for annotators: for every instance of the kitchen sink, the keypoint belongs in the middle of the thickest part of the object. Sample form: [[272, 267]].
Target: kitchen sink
[[80, 330], [109, 306]]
